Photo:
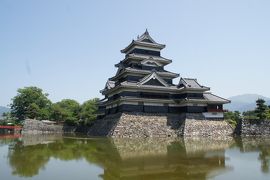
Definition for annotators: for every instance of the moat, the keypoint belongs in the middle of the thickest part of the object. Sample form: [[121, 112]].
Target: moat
[[44, 157]]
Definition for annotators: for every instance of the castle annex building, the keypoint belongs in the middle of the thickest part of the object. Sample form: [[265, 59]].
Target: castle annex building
[[141, 84]]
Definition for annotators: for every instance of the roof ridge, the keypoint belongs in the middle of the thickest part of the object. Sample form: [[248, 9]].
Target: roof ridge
[[218, 96], [191, 79]]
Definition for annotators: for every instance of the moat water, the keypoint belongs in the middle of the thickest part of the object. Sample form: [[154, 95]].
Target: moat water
[[79, 158]]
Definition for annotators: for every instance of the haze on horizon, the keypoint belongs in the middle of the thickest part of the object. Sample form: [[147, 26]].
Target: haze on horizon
[[69, 48]]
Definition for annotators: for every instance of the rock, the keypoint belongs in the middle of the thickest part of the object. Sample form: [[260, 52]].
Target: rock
[[158, 125], [254, 127], [32, 126]]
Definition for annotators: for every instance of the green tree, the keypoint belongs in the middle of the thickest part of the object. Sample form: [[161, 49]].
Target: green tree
[[268, 114], [66, 110], [33, 111], [261, 109], [89, 110], [58, 113], [232, 117], [28, 102], [250, 115], [45, 113]]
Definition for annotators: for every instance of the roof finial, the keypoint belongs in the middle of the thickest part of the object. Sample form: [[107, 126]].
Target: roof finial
[[146, 32], [138, 36]]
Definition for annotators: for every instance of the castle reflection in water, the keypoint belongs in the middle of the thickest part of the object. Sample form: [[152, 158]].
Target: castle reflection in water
[[133, 158]]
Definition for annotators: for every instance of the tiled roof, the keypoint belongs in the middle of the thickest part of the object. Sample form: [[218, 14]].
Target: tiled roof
[[140, 71], [211, 97], [144, 40], [190, 83], [159, 58], [145, 37]]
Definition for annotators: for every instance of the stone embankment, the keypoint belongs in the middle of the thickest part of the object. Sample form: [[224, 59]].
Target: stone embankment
[[253, 128], [205, 128], [137, 125], [32, 126], [158, 125], [154, 125]]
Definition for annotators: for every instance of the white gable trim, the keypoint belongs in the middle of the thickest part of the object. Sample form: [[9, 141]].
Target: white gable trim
[[143, 47], [153, 76], [109, 84], [151, 61]]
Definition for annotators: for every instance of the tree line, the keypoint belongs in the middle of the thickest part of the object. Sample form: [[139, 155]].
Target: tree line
[[261, 112], [33, 103]]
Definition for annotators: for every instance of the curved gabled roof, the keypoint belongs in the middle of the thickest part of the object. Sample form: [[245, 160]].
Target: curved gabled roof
[[191, 83], [144, 40], [214, 98], [145, 37], [155, 76]]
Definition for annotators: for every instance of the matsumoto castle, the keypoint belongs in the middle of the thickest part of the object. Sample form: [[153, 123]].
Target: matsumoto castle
[[141, 84]]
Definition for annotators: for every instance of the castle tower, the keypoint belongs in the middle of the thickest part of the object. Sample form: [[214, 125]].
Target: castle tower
[[141, 84]]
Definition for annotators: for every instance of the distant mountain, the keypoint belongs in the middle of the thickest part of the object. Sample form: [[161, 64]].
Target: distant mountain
[[2, 110], [245, 102]]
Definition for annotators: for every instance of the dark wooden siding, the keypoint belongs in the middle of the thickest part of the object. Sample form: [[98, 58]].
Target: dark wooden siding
[[156, 109], [145, 67], [215, 108], [146, 52], [188, 95], [158, 95]]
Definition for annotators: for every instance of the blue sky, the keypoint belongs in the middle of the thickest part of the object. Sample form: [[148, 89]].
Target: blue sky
[[69, 48]]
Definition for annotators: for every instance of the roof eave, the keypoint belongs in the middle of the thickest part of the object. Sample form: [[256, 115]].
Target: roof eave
[[218, 102], [206, 101], [226, 101], [201, 89], [154, 45], [165, 74], [163, 61]]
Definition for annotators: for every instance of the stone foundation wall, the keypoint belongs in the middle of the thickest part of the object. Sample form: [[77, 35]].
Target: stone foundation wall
[[148, 125], [137, 125], [32, 126], [254, 128], [105, 126], [204, 128], [158, 125]]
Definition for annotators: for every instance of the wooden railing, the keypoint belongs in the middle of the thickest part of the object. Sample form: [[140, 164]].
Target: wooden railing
[[215, 110], [11, 127]]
